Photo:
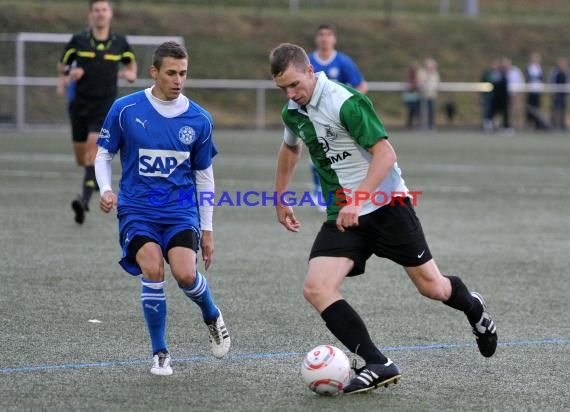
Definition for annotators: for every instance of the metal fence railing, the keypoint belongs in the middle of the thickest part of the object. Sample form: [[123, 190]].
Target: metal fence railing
[[21, 82], [261, 87]]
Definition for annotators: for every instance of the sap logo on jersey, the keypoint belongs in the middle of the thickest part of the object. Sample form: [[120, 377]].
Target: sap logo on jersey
[[160, 163]]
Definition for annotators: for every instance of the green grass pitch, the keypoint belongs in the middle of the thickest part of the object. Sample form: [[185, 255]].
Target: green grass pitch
[[494, 209]]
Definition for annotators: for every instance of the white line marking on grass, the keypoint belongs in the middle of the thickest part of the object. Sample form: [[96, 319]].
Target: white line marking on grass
[[252, 356], [37, 157], [487, 169], [255, 161], [29, 173]]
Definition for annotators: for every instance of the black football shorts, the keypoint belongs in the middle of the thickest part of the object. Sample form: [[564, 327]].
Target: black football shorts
[[87, 117], [392, 231]]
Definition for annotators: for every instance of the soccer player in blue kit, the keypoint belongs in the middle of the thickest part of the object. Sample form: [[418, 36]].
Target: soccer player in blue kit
[[338, 67], [166, 150]]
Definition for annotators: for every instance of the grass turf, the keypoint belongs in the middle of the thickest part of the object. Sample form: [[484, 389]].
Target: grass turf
[[494, 209]]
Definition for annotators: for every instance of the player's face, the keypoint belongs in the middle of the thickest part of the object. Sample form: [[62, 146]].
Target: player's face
[[297, 84], [169, 80], [100, 14], [325, 40]]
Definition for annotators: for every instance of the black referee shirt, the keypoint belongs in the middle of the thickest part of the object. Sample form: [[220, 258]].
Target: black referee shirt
[[100, 61]]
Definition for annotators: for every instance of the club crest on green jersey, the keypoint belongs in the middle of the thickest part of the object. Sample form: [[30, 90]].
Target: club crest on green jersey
[[329, 132]]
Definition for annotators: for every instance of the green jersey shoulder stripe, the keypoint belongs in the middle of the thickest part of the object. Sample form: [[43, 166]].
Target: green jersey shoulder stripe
[[358, 116]]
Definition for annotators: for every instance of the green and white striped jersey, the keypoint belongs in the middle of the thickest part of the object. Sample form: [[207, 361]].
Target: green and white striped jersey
[[338, 126]]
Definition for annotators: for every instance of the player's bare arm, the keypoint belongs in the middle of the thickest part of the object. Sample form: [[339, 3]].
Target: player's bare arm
[[383, 158], [362, 87], [76, 73], [62, 78], [207, 245], [287, 160], [129, 72], [108, 201]]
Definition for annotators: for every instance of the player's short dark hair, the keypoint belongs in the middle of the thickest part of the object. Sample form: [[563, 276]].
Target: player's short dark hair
[[92, 2], [168, 49], [326, 26], [285, 55]]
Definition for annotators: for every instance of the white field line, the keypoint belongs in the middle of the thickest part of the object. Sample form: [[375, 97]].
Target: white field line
[[262, 161]]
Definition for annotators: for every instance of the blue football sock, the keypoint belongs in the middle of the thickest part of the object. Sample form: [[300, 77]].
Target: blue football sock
[[153, 302], [200, 294]]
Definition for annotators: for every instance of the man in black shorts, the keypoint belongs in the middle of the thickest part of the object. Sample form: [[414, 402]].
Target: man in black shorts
[[369, 210], [91, 61]]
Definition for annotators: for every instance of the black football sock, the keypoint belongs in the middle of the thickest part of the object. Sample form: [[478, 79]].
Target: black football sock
[[461, 299], [347, 326], [89, 183]]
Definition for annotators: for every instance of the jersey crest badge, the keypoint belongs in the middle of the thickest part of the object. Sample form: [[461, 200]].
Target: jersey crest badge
[[187, 135], [104, 134], [329, 131], [333, 73]]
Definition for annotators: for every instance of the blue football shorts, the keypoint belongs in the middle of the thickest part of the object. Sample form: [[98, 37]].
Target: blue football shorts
[[159, 233]]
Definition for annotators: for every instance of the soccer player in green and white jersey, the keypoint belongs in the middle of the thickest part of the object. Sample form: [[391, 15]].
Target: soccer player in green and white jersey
[[370, 213]]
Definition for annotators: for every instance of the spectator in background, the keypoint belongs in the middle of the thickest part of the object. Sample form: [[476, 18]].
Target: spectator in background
[[534, 77], [559, 76], [412, 96], [487, 96], [428, 80], [515, 82], [450, 109], [500, 102]]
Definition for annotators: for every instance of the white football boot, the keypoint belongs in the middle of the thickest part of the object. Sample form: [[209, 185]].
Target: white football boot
[[161, 364], [219, 337]]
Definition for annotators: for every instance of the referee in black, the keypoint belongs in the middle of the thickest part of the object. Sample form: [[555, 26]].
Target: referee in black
[[91, 61]]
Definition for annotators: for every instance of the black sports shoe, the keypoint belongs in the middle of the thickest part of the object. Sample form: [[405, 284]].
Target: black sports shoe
[[373, 376], [485, 330], [79, 208]]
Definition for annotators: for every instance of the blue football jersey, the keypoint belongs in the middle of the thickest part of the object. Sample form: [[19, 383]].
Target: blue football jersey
[[158, 158], [340, 68]]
